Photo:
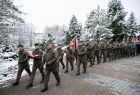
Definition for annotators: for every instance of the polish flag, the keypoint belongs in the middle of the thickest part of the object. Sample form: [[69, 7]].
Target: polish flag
[[74, 43]]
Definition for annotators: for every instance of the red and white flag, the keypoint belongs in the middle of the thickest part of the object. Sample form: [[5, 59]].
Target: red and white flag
[[74, 43]]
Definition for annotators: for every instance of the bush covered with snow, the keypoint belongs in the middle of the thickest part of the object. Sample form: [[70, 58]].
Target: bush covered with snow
[[7, 53], [9, 70]]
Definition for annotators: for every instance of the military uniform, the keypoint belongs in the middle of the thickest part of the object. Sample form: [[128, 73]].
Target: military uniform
[[126, 50], [89, 53], [108, 55], [118, 50], [82, 59], [37, 64], [69, 58], [61, 53], [103, 52], [75, 55], [22, 64], [114, 51], [123, 50], [129, 50], [50, 58], [97, 52]]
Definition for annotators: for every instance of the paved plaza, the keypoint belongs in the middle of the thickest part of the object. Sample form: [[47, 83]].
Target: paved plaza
[[120, 77]]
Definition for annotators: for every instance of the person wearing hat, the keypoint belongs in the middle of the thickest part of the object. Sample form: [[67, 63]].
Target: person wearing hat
[[69, 58], [61, 53], [89, 53], [22, 63], [82, 58], [37, 64], [51, 65]]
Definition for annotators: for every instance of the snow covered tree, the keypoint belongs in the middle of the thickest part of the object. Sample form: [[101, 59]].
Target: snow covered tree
[[74, 30], [9, 14], [116, 19], [131, 25], [95, 27]]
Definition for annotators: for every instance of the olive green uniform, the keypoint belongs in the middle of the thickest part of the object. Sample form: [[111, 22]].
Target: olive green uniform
[[89, 53], [50, 58], [103, 52], [97, 53], [114, 51], [69, 59], [109, 51], [61, 53], [22, 64], [82, 59], [37, 64]]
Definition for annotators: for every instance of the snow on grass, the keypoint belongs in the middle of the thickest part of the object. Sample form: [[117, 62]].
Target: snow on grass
[[9, 70]]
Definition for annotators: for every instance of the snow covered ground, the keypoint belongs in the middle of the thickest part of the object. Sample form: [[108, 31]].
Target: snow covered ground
[[9, 70]]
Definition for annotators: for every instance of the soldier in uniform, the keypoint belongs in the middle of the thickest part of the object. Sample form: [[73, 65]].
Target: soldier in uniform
[[81, 58], [69, 58], [50, 59], [37, 64], [125, 50], [97, 52], [108, 55], [61, 53], [103, 52], [42, 47], [118, 50], [75, 55], [129, 50], [114, 51], [89, 53], [22, 63]]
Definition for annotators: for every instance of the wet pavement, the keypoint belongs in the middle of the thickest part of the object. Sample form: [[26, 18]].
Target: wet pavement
[[120, 77]]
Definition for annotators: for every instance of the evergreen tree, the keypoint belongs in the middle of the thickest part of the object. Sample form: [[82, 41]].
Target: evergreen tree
[[74, 30], [95, 27], [9, 14], [131, 25], [116, 19]]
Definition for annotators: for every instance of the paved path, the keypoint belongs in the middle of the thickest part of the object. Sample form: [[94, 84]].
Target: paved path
[[120, 77]]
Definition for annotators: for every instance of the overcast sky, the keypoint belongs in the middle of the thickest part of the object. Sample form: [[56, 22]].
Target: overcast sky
[[43, 13]]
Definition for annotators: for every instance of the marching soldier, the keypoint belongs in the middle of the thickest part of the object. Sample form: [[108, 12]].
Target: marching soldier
[[50, 59], [22, 63], [114, 51], [103, 52], [126, 51], [75, 55], [81, 58], [123, 50], [89, 53], [97, 52], [61, 53], [109, 51], [37, 64], [118, 50], [69, 58]]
